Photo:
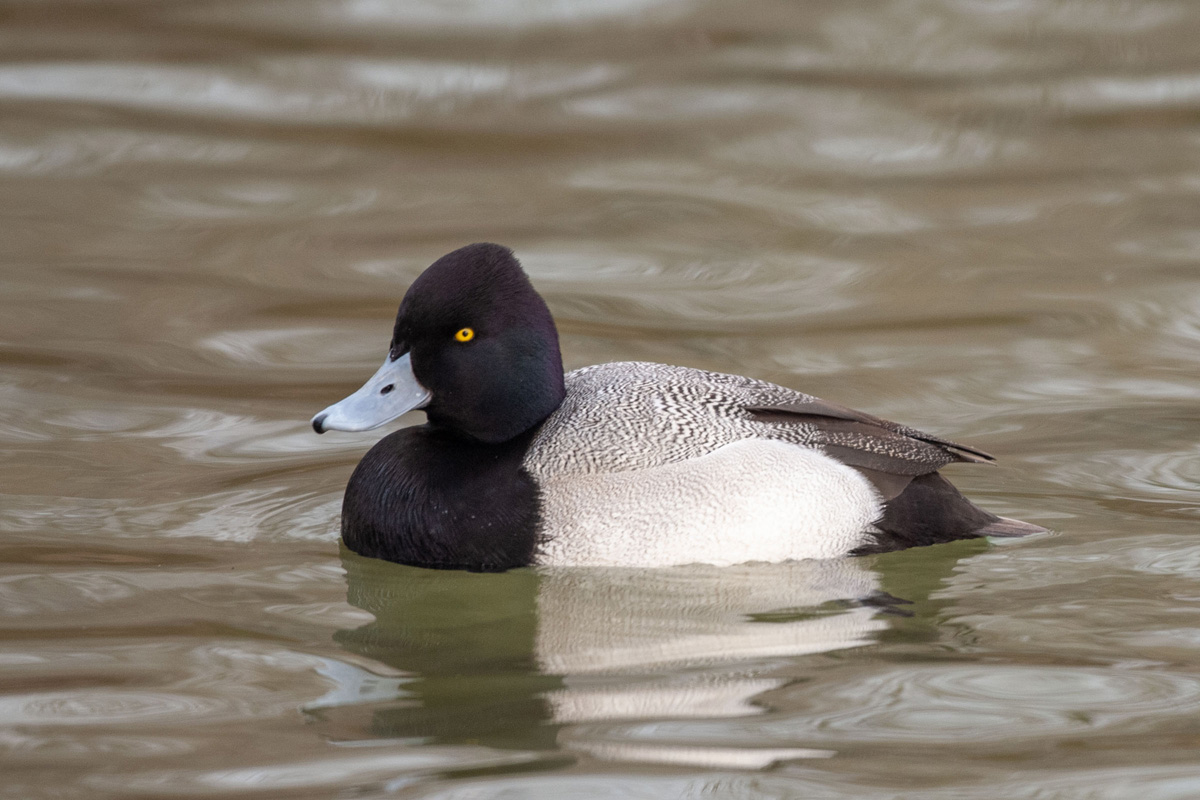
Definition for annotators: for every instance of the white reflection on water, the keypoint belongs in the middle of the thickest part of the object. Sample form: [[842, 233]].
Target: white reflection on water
[[676, 103], [709, 757], [1111, 94], [430, 80], [246, 203], [403, 15], [594, 622], [624, 652], [353, 684], [611, 634], [331, 770], [170, 86]]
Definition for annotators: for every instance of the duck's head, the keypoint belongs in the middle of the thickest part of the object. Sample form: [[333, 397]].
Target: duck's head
[[474, 346]]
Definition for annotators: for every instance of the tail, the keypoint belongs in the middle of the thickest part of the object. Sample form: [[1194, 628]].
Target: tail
[[931, 511], [1003, 526]]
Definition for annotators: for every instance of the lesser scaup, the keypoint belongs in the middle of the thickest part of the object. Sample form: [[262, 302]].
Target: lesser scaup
[[624, 464]]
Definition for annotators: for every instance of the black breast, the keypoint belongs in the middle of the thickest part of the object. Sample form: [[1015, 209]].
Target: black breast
[[429, 498]]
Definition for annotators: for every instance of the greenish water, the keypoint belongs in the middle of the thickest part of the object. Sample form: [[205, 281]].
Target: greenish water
[[977, 218]]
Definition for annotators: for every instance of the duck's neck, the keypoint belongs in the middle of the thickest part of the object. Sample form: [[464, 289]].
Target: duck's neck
[[427, 497]]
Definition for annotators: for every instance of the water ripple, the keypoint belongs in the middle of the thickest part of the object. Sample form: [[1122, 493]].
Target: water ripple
[[1172, 477], [691, 292], [98, 150], [428, 16], [109, 707], [233, 515], [293, 91], [848, 213], [248, 203], [975, 703], [64, 746], [315, 771]]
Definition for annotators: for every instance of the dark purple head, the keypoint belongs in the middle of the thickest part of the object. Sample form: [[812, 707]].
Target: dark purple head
[[482, 343], [474, 346]]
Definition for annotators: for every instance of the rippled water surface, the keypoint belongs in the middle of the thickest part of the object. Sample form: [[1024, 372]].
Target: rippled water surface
[[978, 217]]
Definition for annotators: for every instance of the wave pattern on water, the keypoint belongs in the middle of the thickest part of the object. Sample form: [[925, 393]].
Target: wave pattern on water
[[974, 217]]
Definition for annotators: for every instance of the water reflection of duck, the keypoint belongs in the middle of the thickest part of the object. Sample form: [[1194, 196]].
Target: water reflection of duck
[[528, 659], [465, 644], [627, 464]]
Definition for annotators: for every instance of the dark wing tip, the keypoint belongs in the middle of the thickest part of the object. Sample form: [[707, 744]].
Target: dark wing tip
[[832, 416], [963, 452]]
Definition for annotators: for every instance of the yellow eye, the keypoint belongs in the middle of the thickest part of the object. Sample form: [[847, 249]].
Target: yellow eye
[[465, 335]]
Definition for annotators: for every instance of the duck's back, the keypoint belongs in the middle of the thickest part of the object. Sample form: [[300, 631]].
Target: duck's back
[[631, 415], [636, 415]]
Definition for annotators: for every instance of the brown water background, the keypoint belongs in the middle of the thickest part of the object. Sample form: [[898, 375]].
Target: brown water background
[[978, 217]]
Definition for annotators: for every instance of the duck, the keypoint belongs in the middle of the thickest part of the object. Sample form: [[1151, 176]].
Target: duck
[[625, 464]]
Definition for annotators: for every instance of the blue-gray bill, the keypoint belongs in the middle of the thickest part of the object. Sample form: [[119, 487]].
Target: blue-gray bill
[[393, 390]]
